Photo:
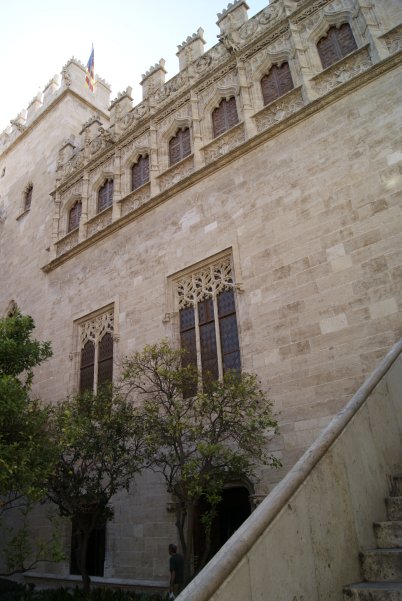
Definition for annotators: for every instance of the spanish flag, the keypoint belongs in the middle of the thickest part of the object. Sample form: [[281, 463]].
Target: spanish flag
[[90, 71]]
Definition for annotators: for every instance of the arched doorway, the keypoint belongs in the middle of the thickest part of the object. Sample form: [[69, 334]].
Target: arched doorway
[[232, 511]]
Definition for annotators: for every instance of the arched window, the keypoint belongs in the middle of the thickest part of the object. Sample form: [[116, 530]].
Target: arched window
[[96, 365], [28, 197], [179, 146], [276, 83], [140, 172], [337, 43], [224, 116], [105, 195], [74, 216]]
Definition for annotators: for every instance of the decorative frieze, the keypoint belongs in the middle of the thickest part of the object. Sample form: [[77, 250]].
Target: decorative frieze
[[99, 222], [342, 71], [279, 109], [176, 173], [136, 199], [69, 241], [224, 143], [141, 141]]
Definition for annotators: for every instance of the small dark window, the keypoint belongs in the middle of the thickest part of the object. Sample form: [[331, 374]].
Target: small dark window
[[105, 195], [105, 359], [28, 198], [179, 146], [276, 83], [224, 116], [140, 172], [337, 43], [74, 216], [87, 366]]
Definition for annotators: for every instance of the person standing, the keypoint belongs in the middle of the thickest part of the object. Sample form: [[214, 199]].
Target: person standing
[[176, 568]]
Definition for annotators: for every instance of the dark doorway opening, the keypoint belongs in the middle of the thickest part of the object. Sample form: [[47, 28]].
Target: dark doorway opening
[[95, 551], [232, 511]]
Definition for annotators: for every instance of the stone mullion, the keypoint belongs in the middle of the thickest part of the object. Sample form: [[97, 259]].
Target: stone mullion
[[116, 211], [218, 337], [246, 100], [197, 137], [82, 231], [153, 159]]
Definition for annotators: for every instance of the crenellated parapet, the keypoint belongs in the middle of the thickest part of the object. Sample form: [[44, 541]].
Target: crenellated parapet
[[282, 38], [71, 80]]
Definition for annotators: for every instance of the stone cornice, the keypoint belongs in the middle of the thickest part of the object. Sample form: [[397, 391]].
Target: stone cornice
[[313, 107]]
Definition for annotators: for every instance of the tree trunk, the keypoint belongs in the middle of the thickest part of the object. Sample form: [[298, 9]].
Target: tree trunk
[[188, 557]]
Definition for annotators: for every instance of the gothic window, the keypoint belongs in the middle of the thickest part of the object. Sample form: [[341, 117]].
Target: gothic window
[[140, 172], [224, 116], [208, 325], [74, 216], [337, 43], [28, 197], [276, 83], [105, 195], [179, 146], [96, 349]]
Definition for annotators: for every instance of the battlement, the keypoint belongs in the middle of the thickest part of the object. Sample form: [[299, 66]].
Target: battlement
[[72, 77]]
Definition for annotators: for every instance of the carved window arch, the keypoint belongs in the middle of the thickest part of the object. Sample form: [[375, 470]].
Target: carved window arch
[[140, 172], [337, 43], [208, 323], [28, 197], [224, 116], [179, 146], [276, 82], [74, 216], [105, 195], [96, 351]]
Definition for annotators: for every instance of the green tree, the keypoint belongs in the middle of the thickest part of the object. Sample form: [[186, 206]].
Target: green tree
[[198, 442], [101, 441]]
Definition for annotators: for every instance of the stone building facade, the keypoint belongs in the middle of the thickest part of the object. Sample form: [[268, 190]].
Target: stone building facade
[[270, 169]]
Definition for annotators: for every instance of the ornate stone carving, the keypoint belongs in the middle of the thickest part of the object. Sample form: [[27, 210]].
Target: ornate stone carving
[[225, 143], [135, 115], [63, 245], [66, 77], [279, 110], [140, 141], [94, 329], [176, 173], [103, 166], [136, 199], [210, 58], [183, 113], [393, 40], [267, 18], [171, 87], [99, 222], [281, 45], [74, 190], [342, 71], [205, 283], [228, 80]]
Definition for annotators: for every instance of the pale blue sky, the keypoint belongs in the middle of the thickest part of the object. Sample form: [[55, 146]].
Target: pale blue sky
[[38, 37]]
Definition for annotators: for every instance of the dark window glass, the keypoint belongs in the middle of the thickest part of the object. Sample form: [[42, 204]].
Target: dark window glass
[[95, 551], [87, 366], [28, 198], [209, 358], [179, 146], [74, 216], [140, 172], [338, 42], [105, 359], [228, 331], [224, 116], [105, 195], [276, 83]]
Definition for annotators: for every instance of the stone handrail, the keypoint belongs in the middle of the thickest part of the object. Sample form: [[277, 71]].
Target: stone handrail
[[220, 569]]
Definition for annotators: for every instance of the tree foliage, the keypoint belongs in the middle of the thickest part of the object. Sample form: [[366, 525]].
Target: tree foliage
[[198, 442], [100, 440]]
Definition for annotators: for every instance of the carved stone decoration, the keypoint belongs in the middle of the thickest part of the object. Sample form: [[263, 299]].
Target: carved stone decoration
[[210, 58], [99, 222], [393, 40], [230, 39], [66, 243], [136, 199], [142, 141], [225, 143], [267, 18], [205, 283], [66, 77], [176, 173], [76, 161], [342, 71], [94, 329], [105, 166], [135, 115], [183, 113], [227, 81], [171, 87], [279, 109]]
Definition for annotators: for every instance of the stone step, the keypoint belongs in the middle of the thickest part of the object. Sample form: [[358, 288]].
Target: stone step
[[394, 508], [381, 565], [373, 591], [388, 534]]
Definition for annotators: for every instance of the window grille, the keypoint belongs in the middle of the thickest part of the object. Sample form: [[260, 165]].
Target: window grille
[[140, 172], [337, 43], [208, 324], [179, 146], [105, 195], [74, 216], [96, 345], [276, 83], [224, 116]]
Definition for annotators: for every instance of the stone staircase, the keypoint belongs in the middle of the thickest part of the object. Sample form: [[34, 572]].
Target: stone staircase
[[382, 567]]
